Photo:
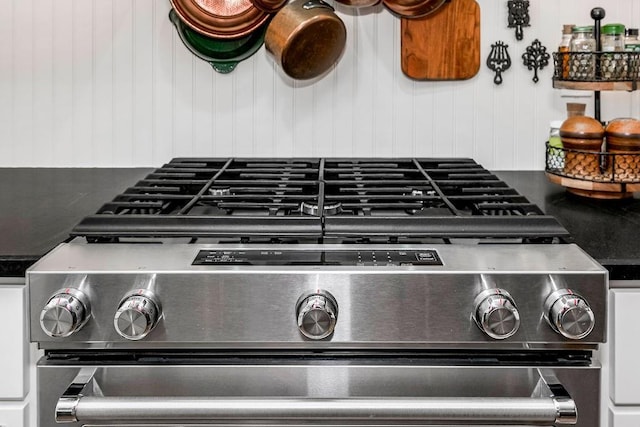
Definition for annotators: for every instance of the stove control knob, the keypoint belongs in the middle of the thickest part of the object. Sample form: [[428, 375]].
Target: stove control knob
[[66, 312], [496, 314], [316, 314], [569, 314], [137, 315]]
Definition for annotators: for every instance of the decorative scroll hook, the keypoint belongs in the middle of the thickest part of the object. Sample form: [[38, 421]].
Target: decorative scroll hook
[[499, 60], [518, 16], [536, 58]]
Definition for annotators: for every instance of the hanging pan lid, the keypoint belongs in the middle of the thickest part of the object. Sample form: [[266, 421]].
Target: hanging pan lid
[[224, 19]]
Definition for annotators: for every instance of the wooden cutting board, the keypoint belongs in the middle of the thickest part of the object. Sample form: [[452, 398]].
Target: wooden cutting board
[[444, 45]]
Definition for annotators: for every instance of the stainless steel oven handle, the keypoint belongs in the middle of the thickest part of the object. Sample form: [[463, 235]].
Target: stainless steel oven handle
[[513, 411]]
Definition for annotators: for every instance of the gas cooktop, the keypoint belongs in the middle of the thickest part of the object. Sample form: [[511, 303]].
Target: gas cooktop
[[322, 200]]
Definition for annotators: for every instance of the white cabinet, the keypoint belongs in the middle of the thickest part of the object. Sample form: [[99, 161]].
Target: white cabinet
[[14, 414], [623, 354], [14, 359], [624, 417], [624, 347], [16, 409]]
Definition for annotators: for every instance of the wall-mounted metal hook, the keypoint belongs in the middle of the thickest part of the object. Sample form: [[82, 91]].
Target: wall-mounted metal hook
[[536, 58], [518, 16], [498, 60]]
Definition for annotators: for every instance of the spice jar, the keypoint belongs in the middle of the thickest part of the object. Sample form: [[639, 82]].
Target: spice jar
[[582, 65], [631, 40], [563, 49], [581, 136], [632, 47], [623, 140], [613, 66], [612, 38]]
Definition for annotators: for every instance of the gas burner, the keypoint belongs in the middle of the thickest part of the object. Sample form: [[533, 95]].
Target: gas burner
[[318, 199], [416, 193], [220, 191], [311, 208]]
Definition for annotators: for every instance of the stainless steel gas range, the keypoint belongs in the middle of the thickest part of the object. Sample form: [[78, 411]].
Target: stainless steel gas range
[[320, 292]]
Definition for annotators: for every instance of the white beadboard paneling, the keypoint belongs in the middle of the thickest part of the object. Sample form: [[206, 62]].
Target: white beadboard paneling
[[463, 119], [7, 139], [23, 85], [83, 88], [42, 83], [302, 120], [444, 131], [101, 83], [422, 113], [103, 139], [243, 110], [143, 83], [345, 73], [323, 114], [362, 37], [265, 77], [63, 77], [182, 140], [202, 108], [383, 97], [122, 95], [164, 84]]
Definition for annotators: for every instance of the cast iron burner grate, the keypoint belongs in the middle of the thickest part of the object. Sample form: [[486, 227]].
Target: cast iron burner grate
[[390, 199]]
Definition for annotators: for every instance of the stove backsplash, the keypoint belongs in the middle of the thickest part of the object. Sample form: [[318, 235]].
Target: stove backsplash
[[100, 83]]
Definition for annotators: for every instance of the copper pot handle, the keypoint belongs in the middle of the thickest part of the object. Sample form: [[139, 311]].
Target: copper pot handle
[[315, 4]]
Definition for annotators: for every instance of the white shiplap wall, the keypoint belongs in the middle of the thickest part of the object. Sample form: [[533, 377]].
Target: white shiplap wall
[[108, 83]]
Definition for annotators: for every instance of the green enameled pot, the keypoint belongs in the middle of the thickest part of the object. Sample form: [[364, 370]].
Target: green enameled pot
[[222, 54]]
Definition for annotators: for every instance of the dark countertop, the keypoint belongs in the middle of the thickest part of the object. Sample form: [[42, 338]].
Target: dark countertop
[[609, 230], [39, 207]]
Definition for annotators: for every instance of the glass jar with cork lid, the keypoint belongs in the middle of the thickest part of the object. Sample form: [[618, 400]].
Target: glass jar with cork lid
[[564, 47]]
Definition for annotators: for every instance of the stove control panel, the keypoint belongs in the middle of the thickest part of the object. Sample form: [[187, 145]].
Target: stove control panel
[[496, 313], [137, 315], [317, 314], [358, 258], [65, 313], [569, 314], [321, 296]]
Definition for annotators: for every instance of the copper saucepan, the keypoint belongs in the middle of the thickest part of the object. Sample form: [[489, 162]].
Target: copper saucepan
[[306, 38], [222, 19], [414, 8]]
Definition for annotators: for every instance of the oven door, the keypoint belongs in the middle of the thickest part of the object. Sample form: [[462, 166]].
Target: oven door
[[319, 391]]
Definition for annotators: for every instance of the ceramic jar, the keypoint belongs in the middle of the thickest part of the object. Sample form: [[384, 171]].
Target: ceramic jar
[[623, 141], [582, 137]]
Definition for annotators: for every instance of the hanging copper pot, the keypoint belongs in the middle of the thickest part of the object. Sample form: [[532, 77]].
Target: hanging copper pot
[[306, 38], [414, 8], [222, 19]]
